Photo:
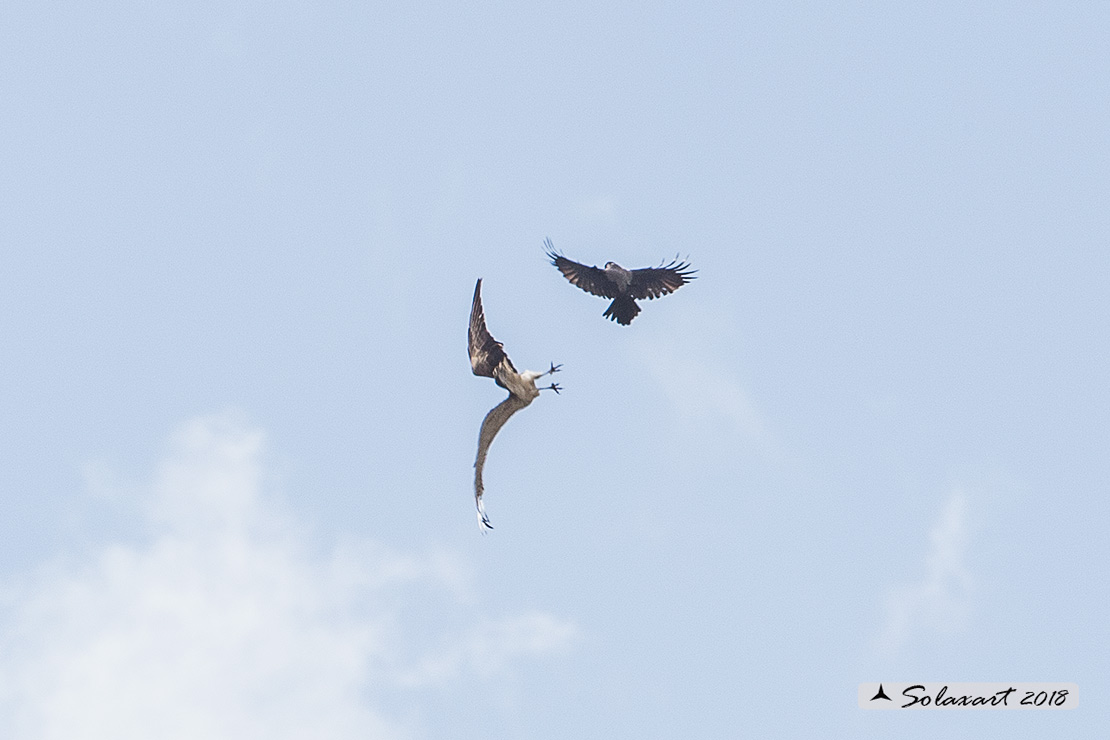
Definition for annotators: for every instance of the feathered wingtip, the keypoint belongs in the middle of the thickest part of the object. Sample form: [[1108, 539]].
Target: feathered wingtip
[[483, 520], [552, 253], [681, 266]]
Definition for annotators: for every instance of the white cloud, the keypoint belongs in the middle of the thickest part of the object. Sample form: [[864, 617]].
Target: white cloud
[[701, 390], [490, 647], [939, 601], [224, 624]]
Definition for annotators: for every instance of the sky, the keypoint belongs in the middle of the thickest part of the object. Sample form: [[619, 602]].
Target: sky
[[867, 443]]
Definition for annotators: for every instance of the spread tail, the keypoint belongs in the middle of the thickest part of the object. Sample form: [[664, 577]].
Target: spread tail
[[622, 310]]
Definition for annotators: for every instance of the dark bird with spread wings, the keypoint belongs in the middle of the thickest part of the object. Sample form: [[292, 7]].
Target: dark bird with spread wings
[[625, 287], [488, 358]]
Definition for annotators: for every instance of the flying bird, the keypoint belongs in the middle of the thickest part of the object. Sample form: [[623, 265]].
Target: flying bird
[[625, 287], [488, 358]]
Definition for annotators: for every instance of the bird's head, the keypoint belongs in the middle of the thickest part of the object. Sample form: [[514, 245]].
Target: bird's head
[[620, 276]]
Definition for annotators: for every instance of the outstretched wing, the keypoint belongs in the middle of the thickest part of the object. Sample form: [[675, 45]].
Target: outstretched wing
[[652, 282], [590, 279], [491, 425], [486, 353]]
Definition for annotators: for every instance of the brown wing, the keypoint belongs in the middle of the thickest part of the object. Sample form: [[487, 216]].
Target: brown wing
[[590, 279], [491, 425], [652, 282], [486, 353]]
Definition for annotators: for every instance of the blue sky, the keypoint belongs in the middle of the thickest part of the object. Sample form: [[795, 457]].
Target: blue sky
[[868, 443]]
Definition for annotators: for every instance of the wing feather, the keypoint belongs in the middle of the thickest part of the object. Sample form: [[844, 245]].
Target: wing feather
[[491, 425], [486, 353], [652, 282], [590, 279]]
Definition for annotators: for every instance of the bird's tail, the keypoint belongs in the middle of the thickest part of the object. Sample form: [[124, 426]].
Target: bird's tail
[[622, 310]]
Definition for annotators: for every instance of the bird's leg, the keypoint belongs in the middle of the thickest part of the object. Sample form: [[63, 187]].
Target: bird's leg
[[554, 386]]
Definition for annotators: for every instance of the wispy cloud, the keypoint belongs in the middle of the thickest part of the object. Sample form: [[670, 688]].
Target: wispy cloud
[[702, 390], [938, 602], [491, 647], [226, 623]]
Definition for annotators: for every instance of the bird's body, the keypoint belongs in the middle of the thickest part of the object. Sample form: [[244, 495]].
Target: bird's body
[[488, 359], [623, 286], [619, 276]]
